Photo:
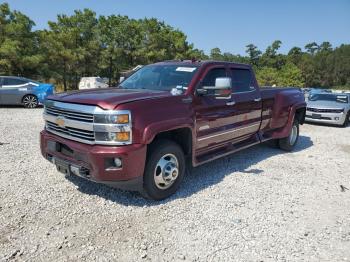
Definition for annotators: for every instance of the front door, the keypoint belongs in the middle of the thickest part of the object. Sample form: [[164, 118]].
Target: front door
[[214, 117], [221, 122]]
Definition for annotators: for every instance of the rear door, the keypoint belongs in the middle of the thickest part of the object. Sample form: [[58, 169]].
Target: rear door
[[13, 90], [247, 102]]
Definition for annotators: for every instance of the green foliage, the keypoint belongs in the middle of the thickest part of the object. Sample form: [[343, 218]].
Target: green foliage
[[85, 45]]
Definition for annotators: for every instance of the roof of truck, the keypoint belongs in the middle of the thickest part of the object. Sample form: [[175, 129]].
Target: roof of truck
[[199, 62]]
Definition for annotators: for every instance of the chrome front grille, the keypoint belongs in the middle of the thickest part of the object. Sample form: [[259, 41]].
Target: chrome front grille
[[77, 122], [74, 115], [71, 132], [321, 110]]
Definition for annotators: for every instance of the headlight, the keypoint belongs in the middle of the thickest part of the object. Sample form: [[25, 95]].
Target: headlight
[[113, 127], [113, 118]]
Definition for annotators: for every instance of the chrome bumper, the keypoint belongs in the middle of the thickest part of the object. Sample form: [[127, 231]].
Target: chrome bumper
[[327, 118]]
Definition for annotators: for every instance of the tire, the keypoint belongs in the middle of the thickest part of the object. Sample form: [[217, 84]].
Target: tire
[[347, 120], [30, 101], [165, 169], [288, 143]]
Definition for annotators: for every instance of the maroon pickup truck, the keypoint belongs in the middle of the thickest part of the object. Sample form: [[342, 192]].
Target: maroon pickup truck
[[164, 119]]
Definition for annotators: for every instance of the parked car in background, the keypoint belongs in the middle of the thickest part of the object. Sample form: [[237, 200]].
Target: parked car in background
[[163, 119], [330, 108], [23, 91], [92, 82]]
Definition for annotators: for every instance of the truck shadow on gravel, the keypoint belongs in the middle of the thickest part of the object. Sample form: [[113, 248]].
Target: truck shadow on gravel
[[199, 179]]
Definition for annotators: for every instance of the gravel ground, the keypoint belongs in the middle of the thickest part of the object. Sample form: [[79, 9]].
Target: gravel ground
[[260, 204]]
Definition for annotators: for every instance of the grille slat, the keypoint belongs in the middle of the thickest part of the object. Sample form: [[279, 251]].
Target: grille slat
[[70, 114], [73, 132]]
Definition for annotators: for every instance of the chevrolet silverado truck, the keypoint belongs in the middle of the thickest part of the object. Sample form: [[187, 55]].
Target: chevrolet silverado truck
[[165, 119]]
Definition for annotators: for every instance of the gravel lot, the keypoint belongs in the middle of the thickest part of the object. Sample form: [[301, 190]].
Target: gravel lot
[[257, 205]]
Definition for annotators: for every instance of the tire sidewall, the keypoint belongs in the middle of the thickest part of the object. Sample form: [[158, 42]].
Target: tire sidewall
[[158, 150], [295, 123], [284, 142]]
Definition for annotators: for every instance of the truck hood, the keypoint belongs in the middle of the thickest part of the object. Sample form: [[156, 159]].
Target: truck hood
[[108, 98]]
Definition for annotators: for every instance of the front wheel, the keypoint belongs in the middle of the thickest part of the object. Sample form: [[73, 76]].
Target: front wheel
[[30, 101], [165, 169], [288, 143]]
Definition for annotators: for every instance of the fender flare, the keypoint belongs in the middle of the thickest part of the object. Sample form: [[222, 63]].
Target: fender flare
[[154, 129]]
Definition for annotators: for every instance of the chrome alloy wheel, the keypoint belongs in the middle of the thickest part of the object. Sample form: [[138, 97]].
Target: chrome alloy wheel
[[166, 171], [293, 135], [30, 101]]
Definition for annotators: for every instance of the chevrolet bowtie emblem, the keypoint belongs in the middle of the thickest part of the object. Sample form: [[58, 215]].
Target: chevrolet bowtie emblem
[[60, 121]]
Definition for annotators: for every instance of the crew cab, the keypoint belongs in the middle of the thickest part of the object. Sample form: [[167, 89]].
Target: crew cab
[[165, 119]]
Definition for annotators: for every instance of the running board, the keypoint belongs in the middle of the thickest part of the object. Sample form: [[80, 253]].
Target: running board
[[225, 150]]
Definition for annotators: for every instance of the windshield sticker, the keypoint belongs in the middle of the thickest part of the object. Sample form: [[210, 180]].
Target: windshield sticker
[[186, 69]]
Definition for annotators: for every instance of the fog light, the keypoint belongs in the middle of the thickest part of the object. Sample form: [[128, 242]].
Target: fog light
[[117, 162], [336, 118], [75, 170]]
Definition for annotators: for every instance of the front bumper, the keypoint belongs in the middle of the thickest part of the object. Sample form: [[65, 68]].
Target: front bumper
[[327, 118], [91, 159]]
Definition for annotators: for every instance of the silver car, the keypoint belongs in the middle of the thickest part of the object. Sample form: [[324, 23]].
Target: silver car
[[329, 108], [19, 90]]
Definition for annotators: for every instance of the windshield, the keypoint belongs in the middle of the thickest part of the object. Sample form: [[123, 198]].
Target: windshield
[[160, 77], [329, 97]]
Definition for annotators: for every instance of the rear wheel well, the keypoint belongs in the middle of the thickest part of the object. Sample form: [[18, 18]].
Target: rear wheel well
[[181, 136], [300, 115]]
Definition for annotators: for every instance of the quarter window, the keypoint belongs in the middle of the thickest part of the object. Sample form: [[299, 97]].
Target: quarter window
[[241, 80]]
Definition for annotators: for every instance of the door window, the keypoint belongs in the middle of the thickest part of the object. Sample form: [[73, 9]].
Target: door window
[[13, 82], [209, 79], [241, 80]]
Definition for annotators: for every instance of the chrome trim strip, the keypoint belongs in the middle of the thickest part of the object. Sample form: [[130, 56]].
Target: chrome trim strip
[[227, 132], [84, 141]]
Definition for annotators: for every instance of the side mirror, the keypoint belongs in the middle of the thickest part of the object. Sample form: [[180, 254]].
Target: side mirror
[[121, 79], [221, 90]]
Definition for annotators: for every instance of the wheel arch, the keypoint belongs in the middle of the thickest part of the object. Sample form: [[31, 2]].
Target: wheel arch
[[181, 136]]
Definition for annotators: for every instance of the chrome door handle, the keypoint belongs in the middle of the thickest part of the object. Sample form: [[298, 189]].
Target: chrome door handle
[[257, 99], [230, 103]]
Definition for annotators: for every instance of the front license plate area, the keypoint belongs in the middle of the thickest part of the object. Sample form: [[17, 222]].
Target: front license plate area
[[62, 166], [316, 116]]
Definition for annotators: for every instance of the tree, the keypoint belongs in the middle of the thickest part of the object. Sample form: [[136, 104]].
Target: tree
[[312, 48], [71, 46], [325, 47], [18, 44], [267, 76], [270, 58], [290, 75], [253, 53]]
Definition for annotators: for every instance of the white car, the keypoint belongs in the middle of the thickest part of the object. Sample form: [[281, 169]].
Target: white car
[[92, 82]]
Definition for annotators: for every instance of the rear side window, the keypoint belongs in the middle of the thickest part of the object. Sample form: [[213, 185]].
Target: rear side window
[[13, 81], [241, 80], [209, 79]]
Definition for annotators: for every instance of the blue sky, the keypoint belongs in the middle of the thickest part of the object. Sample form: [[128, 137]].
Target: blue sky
[[229, 25]]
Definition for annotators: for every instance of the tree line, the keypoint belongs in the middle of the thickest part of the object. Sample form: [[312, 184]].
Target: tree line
[[84, 44]]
